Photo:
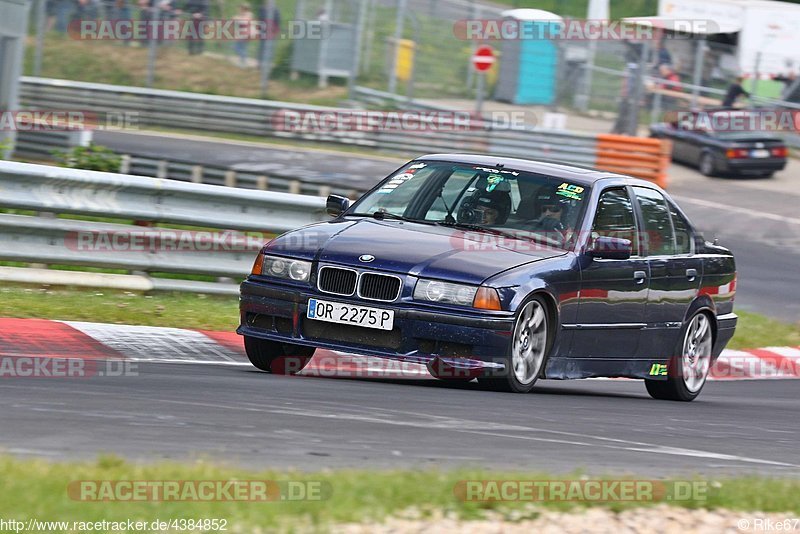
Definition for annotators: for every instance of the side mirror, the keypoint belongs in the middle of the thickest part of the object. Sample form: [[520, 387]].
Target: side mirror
[[611, 248], [336, 205]]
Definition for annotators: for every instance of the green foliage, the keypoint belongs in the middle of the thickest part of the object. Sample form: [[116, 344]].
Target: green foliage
[[5, 146], [93, 157]]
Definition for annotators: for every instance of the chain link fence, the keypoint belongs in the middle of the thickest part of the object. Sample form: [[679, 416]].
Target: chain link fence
[[320, 51]]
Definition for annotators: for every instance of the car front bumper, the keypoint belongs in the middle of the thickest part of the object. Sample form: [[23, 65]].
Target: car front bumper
[[464, 341]]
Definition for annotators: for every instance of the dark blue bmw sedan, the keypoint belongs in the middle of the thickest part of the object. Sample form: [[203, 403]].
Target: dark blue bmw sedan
[[500, 269]]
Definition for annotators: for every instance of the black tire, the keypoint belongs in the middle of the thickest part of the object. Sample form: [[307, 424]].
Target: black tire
[[706, 165], [674, 388], [277, 358], [506, 380]]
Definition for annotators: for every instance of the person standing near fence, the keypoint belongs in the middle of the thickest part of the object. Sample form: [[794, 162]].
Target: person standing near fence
[[197, 10], [244, 27], [735, 90], [271, 15]]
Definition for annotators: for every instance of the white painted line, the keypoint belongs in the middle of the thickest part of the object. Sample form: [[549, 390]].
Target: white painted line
[[157, 343], [736, 209], [786, 352]]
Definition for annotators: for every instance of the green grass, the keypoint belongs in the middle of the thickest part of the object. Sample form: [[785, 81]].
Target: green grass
[[755, 330], [187, 310], [184, 310], [36, 488]]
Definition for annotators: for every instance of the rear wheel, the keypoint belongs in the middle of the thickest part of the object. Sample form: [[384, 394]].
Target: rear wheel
[[707, 167], [687, 373], [528, 352], [277, 358]]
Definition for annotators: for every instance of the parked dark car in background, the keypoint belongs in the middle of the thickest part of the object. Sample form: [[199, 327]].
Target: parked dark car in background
[[724, 142], [503, 269]]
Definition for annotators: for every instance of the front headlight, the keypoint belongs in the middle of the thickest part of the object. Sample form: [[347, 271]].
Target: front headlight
[[435, 291], [288, 269]]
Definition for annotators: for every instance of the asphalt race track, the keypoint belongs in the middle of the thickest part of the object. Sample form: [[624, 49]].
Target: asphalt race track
[[239, 415], [234, 413]]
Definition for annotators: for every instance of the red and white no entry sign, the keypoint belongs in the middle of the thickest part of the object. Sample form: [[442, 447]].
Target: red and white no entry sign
[[483, 59]]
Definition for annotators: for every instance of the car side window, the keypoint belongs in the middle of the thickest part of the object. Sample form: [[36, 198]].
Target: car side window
[[683, 232], [615, 217], [659, 233]]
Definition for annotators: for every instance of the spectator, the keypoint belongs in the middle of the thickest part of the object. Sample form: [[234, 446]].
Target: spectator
[[59, 13], [669, 78], [735, 90], [197, 10], [86, 10], [271, 15], [244, 24], [669, 81], [789, 87], [663, 57]]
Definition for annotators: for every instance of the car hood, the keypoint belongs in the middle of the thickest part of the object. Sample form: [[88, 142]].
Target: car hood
[[403, 247]]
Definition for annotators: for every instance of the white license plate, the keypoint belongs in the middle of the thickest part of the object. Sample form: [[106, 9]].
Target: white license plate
[[336, 312], [761, 153]]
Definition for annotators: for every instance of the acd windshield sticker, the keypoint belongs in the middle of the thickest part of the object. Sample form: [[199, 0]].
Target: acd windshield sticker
[[571, 191]]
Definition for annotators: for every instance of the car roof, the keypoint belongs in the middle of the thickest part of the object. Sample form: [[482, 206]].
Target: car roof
[[574, 173]]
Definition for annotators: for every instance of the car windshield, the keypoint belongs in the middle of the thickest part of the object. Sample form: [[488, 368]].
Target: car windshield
[[496, 200]]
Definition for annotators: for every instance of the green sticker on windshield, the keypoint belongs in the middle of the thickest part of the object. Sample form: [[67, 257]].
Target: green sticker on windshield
[[493, 181], [570, 191]]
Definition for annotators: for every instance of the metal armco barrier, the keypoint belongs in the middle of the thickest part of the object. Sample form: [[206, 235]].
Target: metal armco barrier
[[640, 157], [40, 145], [192, 111], [60, 190], [213, 249]]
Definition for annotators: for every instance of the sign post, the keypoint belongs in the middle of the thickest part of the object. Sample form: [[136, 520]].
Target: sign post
[[482, 61]]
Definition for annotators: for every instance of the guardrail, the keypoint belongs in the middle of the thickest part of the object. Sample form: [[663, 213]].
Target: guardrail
[[42, 144], [213, 248], [194, 111], [187, 171]]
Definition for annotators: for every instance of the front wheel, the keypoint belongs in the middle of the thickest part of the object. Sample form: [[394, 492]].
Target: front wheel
[[528, 352], [688, 372], [277, 358]]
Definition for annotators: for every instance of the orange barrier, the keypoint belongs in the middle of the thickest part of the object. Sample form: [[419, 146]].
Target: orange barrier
[[635, 156]]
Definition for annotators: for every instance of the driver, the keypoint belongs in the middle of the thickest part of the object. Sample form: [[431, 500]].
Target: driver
[[551, 215], [492, 207]]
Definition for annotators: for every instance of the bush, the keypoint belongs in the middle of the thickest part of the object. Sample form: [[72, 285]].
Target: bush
[[93, 157], [5, 146]]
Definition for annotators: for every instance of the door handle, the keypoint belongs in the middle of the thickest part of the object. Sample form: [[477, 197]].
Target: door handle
[[691, 274], [639, 276]]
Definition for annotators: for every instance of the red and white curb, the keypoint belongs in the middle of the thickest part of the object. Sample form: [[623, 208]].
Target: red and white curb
[[40, 338]]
